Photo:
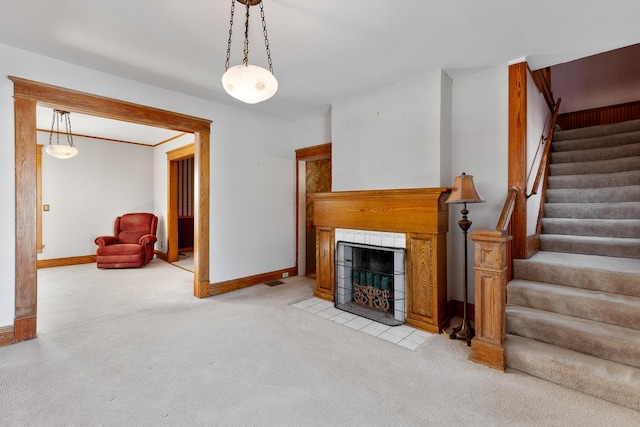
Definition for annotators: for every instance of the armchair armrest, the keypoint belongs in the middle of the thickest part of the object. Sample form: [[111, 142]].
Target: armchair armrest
[[106, 240], [148, 239]]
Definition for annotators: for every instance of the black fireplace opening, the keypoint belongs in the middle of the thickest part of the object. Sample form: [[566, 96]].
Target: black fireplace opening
[[366, 279]]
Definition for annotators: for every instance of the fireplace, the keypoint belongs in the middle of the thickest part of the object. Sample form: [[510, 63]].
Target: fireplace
[[370, 282], [414, 220]]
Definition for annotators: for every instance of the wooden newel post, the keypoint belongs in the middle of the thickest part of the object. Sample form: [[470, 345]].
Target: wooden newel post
[[490, 267]]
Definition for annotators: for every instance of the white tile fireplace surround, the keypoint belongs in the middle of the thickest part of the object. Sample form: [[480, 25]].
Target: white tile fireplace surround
[[388, 297]]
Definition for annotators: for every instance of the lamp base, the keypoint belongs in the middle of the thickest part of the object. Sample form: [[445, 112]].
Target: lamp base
[[462, 332]]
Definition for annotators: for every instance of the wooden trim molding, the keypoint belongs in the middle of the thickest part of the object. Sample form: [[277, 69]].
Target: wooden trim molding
[[317, 152], [62, 262], [244, 282], [456, 308], [26, 94], [76, 101], [6, 335], [39, 245]]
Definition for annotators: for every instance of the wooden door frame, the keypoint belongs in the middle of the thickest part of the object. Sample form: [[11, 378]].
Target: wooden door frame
[[173, 158], [308, 154], [27, 94]]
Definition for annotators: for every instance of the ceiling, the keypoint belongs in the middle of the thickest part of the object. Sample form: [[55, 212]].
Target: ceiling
[[323, 51]]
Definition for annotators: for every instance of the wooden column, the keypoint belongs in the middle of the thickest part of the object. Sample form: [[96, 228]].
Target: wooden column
[[26, 219], [517, 175], [201, 219], [490, 267]]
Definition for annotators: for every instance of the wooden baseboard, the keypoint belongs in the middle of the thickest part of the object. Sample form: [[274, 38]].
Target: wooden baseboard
[[235, 284], [456, 308], [61, 262], [162, 255], [6, 335], [24, 328]]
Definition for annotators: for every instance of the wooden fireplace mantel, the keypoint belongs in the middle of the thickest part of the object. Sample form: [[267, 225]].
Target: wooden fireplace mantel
[[419, 213]]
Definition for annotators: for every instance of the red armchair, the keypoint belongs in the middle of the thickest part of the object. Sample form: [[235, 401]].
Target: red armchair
[[132, 242]]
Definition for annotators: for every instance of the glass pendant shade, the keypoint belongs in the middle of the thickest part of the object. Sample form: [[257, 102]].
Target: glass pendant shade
[[61, 151], [249, 83]]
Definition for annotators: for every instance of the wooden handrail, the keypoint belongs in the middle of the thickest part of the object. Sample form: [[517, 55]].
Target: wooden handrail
[[547, 148], [541, 79], [507, 210]]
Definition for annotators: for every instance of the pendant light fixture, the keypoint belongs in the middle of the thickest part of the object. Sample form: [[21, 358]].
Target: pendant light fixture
[[61, 151], [245, 82]]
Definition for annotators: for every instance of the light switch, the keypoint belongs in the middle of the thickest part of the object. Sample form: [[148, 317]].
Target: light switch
[[45, 208]]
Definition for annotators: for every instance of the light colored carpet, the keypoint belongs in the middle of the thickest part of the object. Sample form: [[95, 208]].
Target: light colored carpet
[[135, 348], [186, 261]]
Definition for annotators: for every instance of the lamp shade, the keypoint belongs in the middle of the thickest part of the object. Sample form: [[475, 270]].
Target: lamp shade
[[464, 190], [249, 83]]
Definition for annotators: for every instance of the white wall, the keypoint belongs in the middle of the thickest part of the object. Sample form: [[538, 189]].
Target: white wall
[[480, 148], [391, 138], [538, 117], [313, 132], [596, 81], [87, 192], [252, 170]]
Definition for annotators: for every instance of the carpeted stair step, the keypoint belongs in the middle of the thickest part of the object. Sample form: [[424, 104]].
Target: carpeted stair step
[[604, 307], [610, 342], [590, 143], [592, 227], [600, 166], [597, 131], [629, 193], [604, 379], [625, 210], [593, 272], [591, 245], [590, 155], [597, 180]]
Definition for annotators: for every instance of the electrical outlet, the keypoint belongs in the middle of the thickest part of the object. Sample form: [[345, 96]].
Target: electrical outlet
[[285, 275], [54, 248], [162, 245]]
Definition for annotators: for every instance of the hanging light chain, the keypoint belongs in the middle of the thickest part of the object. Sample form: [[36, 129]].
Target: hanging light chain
[[266, 39], [55, 122], [245, 59], [67, 117], [226, 64], [245, 50]]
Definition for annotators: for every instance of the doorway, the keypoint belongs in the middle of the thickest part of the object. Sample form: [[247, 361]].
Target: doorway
[[180, 209], [27, 94], [313, 175]]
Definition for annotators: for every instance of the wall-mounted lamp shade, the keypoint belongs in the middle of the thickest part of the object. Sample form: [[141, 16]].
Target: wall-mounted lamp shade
[[61, 151], [464, 190], [249, 83]]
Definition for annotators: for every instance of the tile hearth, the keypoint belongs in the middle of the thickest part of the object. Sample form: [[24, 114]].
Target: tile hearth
[[403, 335]]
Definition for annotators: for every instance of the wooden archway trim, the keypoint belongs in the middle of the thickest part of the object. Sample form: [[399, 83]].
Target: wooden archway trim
[[26, 94]]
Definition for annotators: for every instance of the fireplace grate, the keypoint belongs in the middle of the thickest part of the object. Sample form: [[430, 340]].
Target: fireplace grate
[[370, 282]]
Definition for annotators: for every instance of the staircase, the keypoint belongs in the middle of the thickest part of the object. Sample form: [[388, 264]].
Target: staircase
[[573, 309]]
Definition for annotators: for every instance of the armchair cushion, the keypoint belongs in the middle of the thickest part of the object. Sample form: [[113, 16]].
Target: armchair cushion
[[132, 242]]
